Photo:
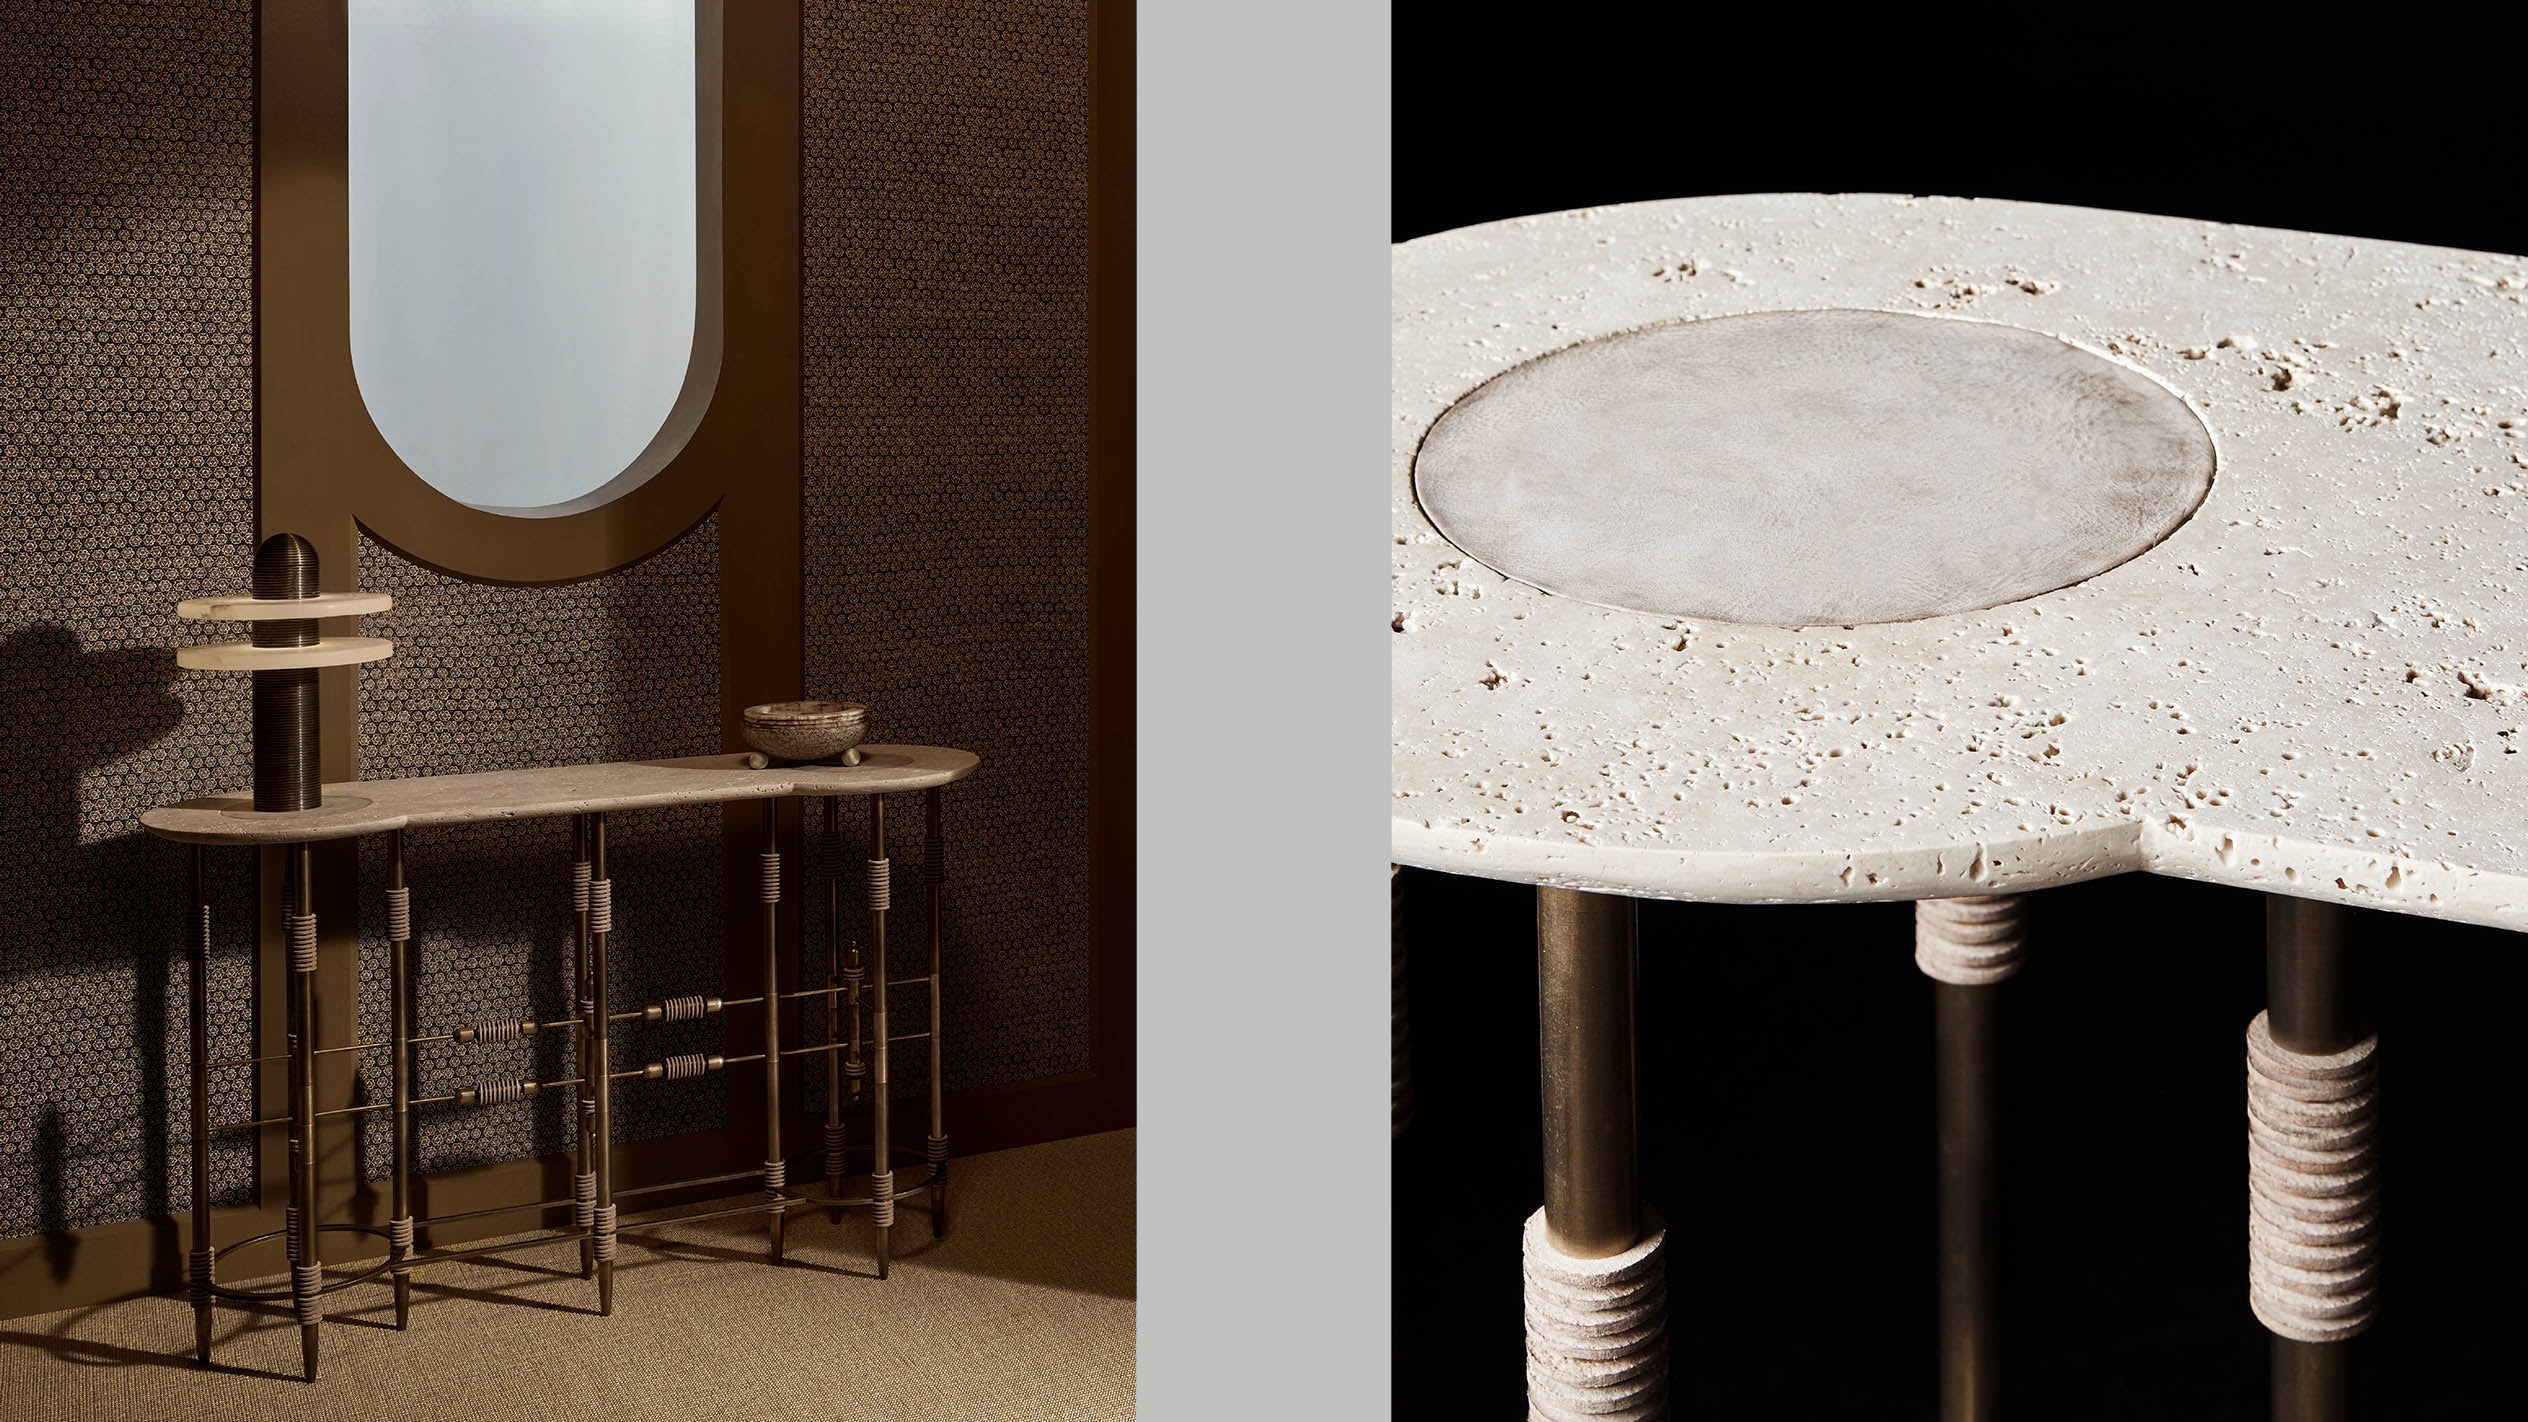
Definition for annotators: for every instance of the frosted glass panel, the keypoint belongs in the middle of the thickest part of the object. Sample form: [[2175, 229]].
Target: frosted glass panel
[[534, 234]]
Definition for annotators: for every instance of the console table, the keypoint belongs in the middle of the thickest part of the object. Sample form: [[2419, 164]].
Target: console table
[[1797, 549], [585, 796]]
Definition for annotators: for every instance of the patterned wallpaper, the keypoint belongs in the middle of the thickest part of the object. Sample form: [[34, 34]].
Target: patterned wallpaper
[[126, 482], [946, 200], [946, 508]]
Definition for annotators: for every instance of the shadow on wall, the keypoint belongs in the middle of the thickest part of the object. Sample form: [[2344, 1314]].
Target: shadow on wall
[[69, 712], [126, 482]]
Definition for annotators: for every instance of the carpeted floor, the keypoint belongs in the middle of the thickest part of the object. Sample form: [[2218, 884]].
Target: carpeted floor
[[1024, 1311]]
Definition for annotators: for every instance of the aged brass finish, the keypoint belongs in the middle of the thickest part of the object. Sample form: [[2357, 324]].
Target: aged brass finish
[[1399, 1012], [2309, 989], [881, 1180], [199, 1267], [831, 857], [934, 877], [400, 1009], [2312, 1006], [600, 925], [775, 1175], [1586, 961], [1966, 1050], [728, 1178], [855, 974], [286, 1293], [2312, 1382], [594, 1225], [584, 1106], [306, 1271]]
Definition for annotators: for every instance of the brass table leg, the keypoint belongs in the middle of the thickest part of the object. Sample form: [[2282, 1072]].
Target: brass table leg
[[583, 1100], [934, 881], [600, 925], [881, 1178], [855, 975], [832, 862], [1969, 947], [1595, 1265], [2312, 1108], [768, 889], [1399, 1029], [306, 1271], [399, 931], [204, 1259]]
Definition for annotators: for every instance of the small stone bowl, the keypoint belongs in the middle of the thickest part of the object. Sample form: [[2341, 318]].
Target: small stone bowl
[[808, 730]]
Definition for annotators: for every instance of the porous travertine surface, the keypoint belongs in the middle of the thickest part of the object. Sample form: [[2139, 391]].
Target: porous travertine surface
[[364, 807], [2315, 685]]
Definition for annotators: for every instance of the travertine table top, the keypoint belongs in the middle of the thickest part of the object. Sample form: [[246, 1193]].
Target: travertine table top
[[364, 807], [2316, 684]]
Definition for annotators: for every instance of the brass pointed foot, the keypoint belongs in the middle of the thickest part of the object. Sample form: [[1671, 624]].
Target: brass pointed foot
[[403, 1303], [605, 1288], [307, 1349], [882, 1251]]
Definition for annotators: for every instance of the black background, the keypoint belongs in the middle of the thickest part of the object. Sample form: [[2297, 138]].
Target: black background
[[1786, 1052]]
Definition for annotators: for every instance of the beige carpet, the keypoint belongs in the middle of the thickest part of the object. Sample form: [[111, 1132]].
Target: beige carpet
[[1024, 1311]]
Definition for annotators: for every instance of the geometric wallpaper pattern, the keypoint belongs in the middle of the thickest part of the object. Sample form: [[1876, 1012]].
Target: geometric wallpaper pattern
[[127, 167], [946, 334]]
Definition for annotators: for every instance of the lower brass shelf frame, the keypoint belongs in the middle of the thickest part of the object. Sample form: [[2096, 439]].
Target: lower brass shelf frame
[[595, 1224]]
